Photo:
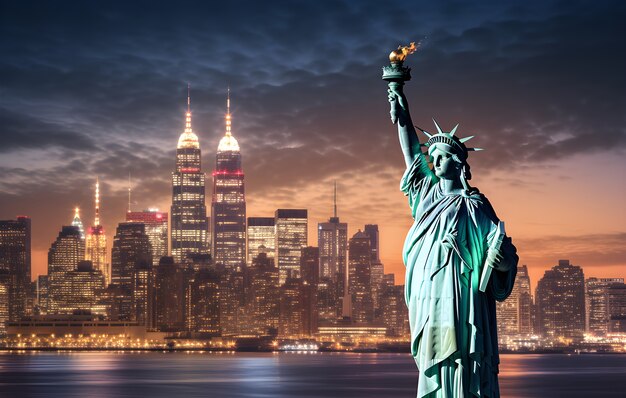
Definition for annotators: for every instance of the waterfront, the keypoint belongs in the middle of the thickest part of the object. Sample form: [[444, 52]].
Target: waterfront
[[166, 374]]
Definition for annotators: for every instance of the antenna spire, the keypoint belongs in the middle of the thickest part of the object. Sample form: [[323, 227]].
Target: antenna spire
[[97, 218], [188, 97], [228, 117], [129, 188], [335, 200]]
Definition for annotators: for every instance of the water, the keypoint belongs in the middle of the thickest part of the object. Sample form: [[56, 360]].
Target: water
[[177, 374]]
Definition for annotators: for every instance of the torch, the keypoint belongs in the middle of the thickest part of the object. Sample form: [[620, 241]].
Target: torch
[[395, 74]]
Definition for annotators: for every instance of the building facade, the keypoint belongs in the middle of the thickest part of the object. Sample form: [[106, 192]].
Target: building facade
[[514, 314], [360, 278], [597, 304], [15, 267], [156, 228], [332, 239], [261, 237], [560, 301], [291, 237], [63, 257], [80, 289]]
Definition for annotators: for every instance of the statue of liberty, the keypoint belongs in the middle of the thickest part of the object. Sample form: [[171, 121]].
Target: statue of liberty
[[450, 251]]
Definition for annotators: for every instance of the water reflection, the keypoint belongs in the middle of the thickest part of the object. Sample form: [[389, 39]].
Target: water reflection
[[164, 374]]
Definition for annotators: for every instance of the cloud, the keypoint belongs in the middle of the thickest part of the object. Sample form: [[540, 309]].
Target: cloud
[[591, 250], [101, 91]]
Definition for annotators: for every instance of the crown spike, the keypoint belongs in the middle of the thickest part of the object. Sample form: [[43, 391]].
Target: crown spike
[[465, 139], [475, 149], [454, 129], [437, 125], [425, 132]]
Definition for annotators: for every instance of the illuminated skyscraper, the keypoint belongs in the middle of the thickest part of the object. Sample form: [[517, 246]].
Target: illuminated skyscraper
[[596, 303], [332, 239], [131, 248], [261, 232], [169, 296], [377, 267], [514, 313], [63, 257], [96, 243], [395, 314], [80, 289], [291, 237], [265, 293], [291, 324], [15, 265], [189, 221], [156, 229], [228, 207], [617, 308], [560, 300], [77, 222], [204, 302], [360, 278], [142, 296]]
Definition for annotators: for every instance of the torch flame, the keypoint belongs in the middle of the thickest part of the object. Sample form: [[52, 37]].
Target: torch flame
[[401, 53]]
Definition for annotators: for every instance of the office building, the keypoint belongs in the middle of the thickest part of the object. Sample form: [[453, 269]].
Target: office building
[[560, 301], [291, 237]]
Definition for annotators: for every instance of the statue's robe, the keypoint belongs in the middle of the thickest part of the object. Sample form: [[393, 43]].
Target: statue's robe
[[453, 324]]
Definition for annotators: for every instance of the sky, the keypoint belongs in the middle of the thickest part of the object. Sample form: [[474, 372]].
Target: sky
[[99, 89]]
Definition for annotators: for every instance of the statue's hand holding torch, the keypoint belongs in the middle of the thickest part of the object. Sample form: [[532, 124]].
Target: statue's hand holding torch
[[396, 74]]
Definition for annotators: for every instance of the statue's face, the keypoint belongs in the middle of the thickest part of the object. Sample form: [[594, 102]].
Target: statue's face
[[444, 165]]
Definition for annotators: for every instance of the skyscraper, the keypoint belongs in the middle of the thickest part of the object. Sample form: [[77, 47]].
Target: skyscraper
[[80, 289], [560, 300], [596, 303], [228, 206], [15, 263], [63, 257], [292, 308], [96, 243], [189, 221], [360, 278], [377, 268], [291, 237], [310, 265], [142, 296], [261, 232], [265, 294], [156, 229], [204, 302], [371, 230], [514, 313], [332, 239], [77, 222], [169, 296], [617, 308], [131, 248]]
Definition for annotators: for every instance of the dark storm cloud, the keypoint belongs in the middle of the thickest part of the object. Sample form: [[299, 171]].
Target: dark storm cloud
[[104, 85], [19, 131]]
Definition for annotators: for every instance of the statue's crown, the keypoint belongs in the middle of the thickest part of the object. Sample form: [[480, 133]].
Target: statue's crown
[[448, 138]]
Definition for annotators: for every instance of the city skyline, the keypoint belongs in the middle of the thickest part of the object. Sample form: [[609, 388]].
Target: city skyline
[[548, 113]]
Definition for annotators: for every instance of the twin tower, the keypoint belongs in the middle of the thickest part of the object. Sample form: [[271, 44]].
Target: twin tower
[[191, 237]]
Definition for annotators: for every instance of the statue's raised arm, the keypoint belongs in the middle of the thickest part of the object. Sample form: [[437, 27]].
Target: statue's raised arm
[[400, 115], [396, 74]]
